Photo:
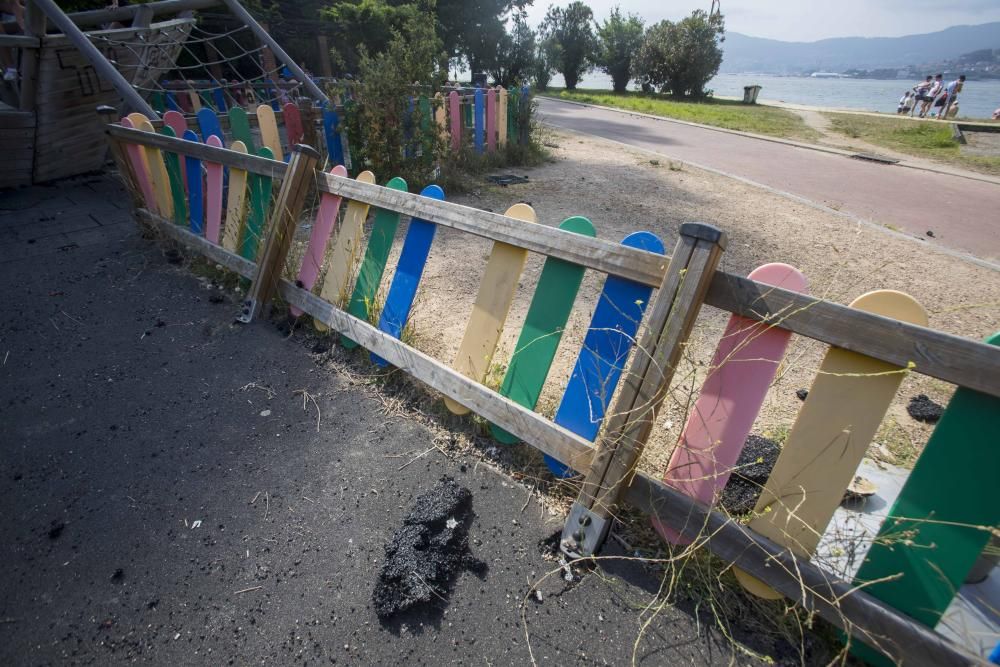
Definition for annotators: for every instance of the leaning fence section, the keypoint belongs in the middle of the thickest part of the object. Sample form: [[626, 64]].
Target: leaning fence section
[[239, 203]]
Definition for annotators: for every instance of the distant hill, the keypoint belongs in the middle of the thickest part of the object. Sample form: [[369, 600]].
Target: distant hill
[[743, 53]]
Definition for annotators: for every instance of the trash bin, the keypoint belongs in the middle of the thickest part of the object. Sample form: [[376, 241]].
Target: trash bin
[[750, 94]]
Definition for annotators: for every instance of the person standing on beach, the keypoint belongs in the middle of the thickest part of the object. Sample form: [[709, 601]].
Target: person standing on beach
[[931, 93], [920, 92], [905, 103], [950, 97]]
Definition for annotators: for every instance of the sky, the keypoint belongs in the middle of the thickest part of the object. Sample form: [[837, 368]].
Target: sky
[[808, 20]]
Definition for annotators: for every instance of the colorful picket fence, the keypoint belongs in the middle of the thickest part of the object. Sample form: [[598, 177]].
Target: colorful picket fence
[[613, 393], [479, 120], [484, 120], [190, 96]]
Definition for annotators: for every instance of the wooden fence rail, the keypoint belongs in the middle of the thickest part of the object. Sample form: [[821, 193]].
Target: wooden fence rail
[[837, 601], [686, 280]]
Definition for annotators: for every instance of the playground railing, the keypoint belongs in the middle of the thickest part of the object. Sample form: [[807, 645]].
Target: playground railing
[[624, 368]]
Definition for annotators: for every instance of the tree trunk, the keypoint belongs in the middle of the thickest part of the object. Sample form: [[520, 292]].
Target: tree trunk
[[571, 80], [619, 84]]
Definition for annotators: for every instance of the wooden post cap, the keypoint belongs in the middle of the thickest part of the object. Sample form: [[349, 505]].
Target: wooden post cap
[[306, 150], [706, 232]]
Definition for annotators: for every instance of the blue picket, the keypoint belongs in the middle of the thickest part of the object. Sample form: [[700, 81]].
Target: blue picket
[[334, 148], [403, 290], [479, 131], [196, 202], [220, 100], [605, 350], [208, 122]]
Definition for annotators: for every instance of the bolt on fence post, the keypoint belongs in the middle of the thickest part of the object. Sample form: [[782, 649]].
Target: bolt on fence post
[[284, 219], [631, 419]]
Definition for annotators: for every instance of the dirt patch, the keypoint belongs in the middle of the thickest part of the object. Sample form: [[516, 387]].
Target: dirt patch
[[425, 555], [986, 144], [753, 467]]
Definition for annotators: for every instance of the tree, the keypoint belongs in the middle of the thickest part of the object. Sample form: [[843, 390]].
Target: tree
[[464, 26], [619, 38], [572, 40], [371, 24], [541, 68], [513, 59], [680, 58]]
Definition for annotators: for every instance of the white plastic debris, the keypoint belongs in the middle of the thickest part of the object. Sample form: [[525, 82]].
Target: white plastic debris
[[196, 524]]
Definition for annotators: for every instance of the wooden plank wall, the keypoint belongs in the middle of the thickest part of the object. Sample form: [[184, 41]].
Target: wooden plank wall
[[17, 138], [69, 135]]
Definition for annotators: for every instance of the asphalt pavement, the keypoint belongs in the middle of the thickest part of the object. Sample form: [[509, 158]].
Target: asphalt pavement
[[171, 496], [961, 213]]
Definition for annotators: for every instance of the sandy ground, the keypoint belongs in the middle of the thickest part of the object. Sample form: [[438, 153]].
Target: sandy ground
[[623, 190]]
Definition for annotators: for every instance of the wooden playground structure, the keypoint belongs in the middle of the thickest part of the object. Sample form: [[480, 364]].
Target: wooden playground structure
[[624, 369], [95, 59], [139, 68]]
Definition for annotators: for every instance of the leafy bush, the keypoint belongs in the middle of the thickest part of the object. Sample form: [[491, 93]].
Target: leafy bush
[[619, 38], [680, 58], [571, 41], [384, 134]]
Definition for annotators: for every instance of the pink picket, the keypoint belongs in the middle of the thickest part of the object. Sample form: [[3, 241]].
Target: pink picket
[[213, 195], [455, 110], [176, 122], [293, 124], [329, 205], [741, 372], [138, 162]]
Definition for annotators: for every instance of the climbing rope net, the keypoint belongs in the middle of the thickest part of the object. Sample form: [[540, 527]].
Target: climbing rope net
[[186, 64]]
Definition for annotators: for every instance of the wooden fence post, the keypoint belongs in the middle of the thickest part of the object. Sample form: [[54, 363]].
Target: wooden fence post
[[630, 421], [307, 110], [284, 218], [501, 117], [479, 123]]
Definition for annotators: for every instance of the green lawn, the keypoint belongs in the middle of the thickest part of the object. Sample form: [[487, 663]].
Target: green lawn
[[929, 139], [729, 114]]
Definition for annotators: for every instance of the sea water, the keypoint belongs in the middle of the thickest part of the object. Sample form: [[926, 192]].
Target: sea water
[[978, 99]]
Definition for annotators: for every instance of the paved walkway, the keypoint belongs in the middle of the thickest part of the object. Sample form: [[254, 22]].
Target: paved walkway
[[961, 213]]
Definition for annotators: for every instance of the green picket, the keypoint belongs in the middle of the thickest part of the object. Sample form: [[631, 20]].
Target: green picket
[[941, 521], [373, 265], [260, 199], [543, 327], [177, 193]]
